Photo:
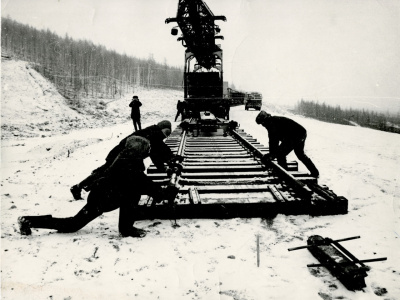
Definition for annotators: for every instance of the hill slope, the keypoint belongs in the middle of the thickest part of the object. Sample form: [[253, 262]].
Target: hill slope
[[32, 107]]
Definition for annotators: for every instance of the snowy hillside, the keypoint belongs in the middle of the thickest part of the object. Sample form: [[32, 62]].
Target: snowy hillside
[[47, 147], [32, 107]]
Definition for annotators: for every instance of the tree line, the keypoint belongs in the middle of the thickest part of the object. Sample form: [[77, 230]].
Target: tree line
[[81, 69], [364, 118]]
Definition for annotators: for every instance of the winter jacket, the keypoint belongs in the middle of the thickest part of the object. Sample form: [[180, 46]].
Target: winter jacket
[[180, 105], [123, 181], [135, 111], [122, 184], [160, 153], [282, 129]]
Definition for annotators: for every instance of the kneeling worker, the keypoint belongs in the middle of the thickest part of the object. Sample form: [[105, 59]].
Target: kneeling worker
[[160, 153], [120, 186]]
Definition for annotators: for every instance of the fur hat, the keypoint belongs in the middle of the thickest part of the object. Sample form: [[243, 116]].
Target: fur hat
[[139, 144], [166, 132], [135, 97], [262, 116], [164, 124]]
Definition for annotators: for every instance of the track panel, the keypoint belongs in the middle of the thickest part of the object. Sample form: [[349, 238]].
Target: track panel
[[223, 177]]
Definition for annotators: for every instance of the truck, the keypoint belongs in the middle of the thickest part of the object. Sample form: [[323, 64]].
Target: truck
[[235, 97], [253, 100]]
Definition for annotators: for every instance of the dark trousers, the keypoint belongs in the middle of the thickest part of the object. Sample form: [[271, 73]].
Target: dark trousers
[[105, 196], [297, 145], [86, 183], [87, 214], [177, 115], [136, 123], [65, 225]]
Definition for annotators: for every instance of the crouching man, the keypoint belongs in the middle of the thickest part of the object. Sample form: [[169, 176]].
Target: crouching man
[[284, 136], [120, 186], [160, 154]]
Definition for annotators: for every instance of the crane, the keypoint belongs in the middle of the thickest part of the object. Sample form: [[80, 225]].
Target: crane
[[203, 79], [199, 31]]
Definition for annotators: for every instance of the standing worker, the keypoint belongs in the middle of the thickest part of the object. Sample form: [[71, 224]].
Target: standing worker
[[180, 107], [135, 112], [227, 105], [291, 135]]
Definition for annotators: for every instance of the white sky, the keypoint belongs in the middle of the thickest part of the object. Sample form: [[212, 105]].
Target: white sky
[[335, 51]]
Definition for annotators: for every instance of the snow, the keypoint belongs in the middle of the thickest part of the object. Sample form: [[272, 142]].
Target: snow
[[42, 156]]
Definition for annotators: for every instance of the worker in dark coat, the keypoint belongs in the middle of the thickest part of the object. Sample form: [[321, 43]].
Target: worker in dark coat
[[135, 112], [119, 186], [227, 107], [160, 154], [180, 109], [284, 136]]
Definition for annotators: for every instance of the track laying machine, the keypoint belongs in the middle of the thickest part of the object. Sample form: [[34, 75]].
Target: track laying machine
[[222, 174], [203, 73]]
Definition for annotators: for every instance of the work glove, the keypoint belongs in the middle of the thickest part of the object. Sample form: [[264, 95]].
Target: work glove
[[266, 158], [184, 125], [175, 168], [175, 158]]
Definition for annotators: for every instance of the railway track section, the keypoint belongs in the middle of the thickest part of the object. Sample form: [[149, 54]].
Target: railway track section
[[222, 177]]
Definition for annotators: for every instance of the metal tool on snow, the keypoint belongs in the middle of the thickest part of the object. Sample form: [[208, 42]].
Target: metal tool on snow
[[338, 260]]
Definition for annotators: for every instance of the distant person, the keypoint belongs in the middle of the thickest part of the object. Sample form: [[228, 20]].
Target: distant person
[[120, 186], [180, 107], [227, 106], [135, 112], [284, 136], [160, 153]]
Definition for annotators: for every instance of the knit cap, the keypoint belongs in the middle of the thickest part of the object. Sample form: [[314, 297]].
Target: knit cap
[[139, 144], [166, 132], [164, 124], [262, 116]]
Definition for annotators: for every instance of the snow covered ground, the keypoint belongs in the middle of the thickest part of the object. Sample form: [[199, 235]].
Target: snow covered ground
[[47, 147]]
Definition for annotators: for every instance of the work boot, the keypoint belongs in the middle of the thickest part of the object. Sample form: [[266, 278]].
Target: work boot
[[25, 223], [76, 192], [134, 232], [310, 166], [24, 226]]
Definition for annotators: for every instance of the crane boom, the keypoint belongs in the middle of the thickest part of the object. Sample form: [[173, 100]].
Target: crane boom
[[199, 30]]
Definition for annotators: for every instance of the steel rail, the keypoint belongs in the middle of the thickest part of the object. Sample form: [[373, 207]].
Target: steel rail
[[301, 187], [225, 183]]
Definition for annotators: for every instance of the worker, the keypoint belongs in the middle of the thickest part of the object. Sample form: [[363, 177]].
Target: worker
[[284, 136], [160, 154], [227, 106], [180, 109], [120, 186], [135, 112]]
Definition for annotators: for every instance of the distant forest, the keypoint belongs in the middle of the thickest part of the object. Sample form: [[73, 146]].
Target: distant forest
[[80, 69], [364, 118]]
